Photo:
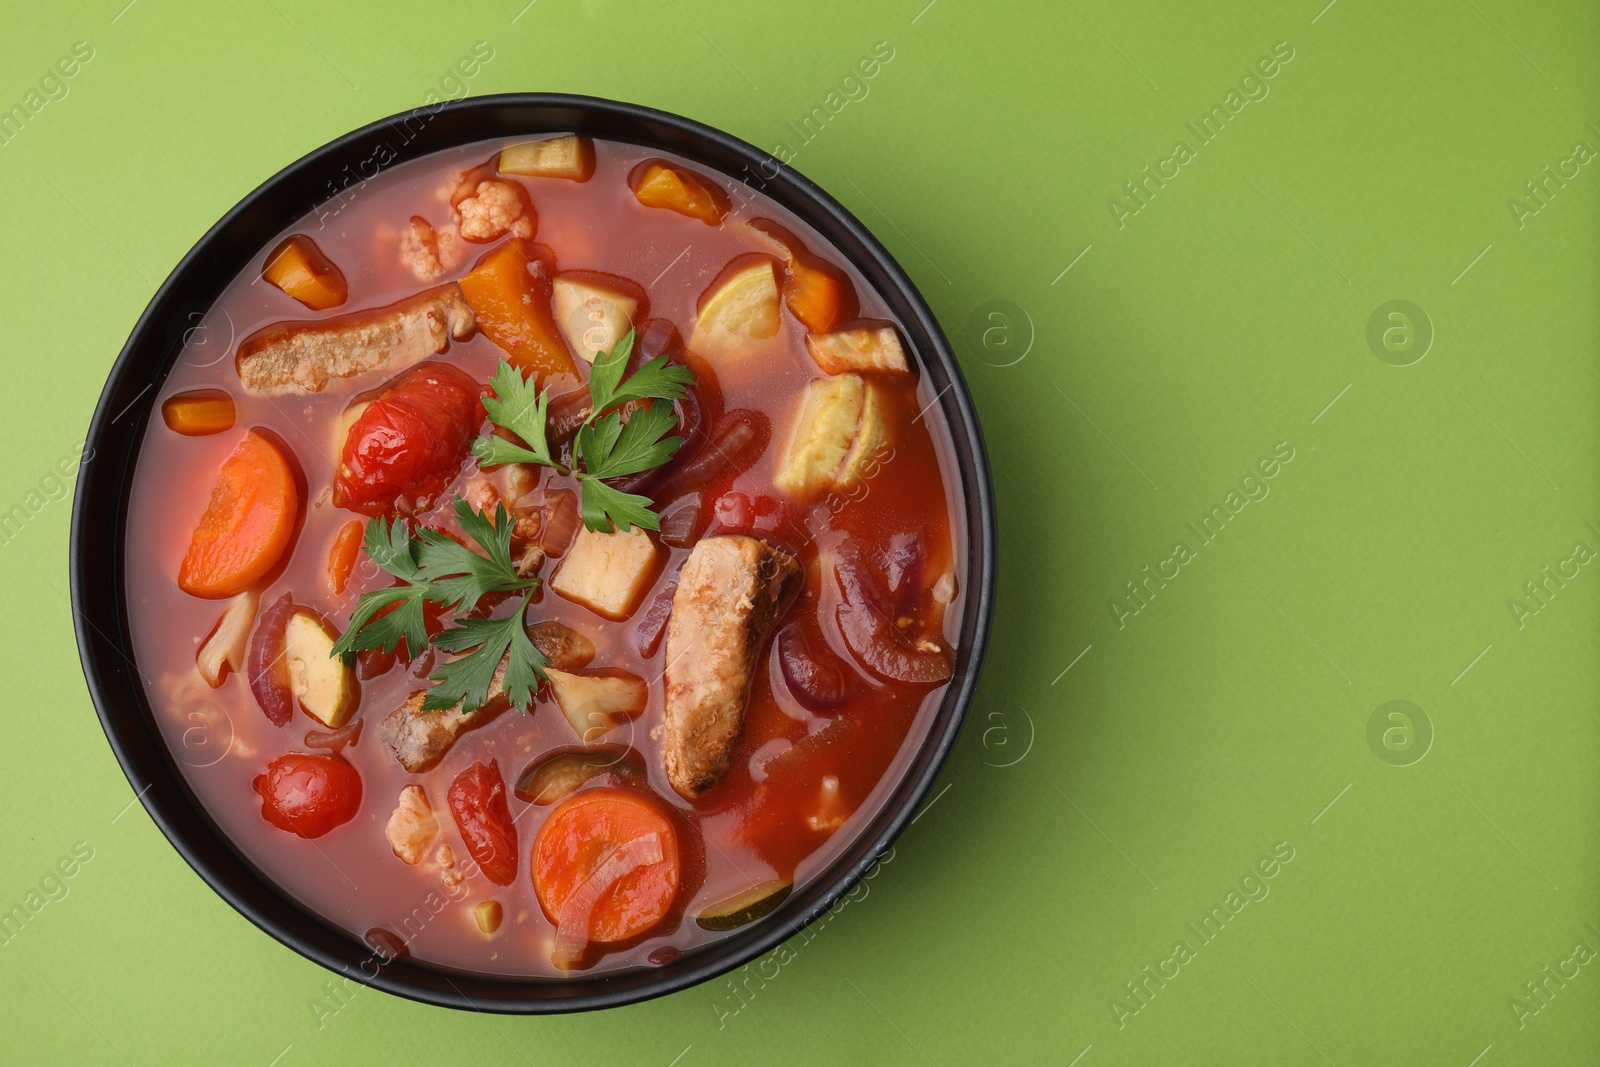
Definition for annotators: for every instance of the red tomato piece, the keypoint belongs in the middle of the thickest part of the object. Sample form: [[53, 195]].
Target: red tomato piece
[[410, 441], [308, 794], [478, 801]]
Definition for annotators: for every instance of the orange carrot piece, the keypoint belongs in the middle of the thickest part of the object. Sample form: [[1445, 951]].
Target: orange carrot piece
[[512, 306], [299, 268], [676, 190], [342, 556], [198, 412], [605, 866], [248, 523]]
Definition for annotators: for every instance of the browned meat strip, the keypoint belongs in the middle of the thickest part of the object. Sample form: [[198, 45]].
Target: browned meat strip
[[419, 739], [305, 357], [730, 592]]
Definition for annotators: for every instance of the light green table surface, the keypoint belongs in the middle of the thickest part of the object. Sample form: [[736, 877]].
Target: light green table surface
[[1121, 773]]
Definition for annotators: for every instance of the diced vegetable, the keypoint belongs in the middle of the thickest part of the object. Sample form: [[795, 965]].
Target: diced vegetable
[[478, 801], [864, 349], [407, 445], [509, 292], [325, 687], [411, 827], [607, 572], [198, 412], [866, 622], [556, 776], [745, 907], [560, 522], [594, 311], [605, 868], [224, 650], [814, 678], [308, 794], [741, 308], [571, 157], [266, 667], [870, 446], [813, 291], [342, 555], [658, 185], [830, 414], [299, 268], [488, 914], [247, 524], [594, 703], [813, 295], [335, 740]]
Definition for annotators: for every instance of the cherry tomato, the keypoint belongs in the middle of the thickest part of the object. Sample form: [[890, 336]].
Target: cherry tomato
[[478, 801], [410, 441], [308, 794]]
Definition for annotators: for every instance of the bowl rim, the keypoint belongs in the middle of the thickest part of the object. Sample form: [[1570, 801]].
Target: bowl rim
[[100, 606]]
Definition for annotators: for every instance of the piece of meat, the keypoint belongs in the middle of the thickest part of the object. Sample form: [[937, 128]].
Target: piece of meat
[[730, 593], [419, 739], [300, 357], [411, 827]]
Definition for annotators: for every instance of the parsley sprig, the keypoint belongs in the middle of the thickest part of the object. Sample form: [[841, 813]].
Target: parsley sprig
[[434, 567], [606, 445]]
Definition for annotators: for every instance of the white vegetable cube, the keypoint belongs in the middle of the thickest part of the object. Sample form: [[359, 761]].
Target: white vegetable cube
[[593, 317], [607, 572]]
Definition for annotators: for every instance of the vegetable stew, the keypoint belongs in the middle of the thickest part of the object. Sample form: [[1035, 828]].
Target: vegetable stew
[[548, 552]]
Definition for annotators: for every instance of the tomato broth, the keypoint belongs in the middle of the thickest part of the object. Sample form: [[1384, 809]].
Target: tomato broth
[[826, 725]]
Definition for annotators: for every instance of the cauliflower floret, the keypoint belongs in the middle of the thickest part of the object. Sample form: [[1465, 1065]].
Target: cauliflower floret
[[427, 254], [495, 209], [412, 827]]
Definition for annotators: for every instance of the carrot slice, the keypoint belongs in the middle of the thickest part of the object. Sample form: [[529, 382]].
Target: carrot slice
[[813, 295], [813, 290], [605, 868], [198, 412], [248, 523], [299, 268], [512, 306], [657, 185], [342, 555]]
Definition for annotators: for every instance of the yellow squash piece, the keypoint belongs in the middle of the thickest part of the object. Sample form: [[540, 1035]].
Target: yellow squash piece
[[839, 435], [570, 157], [742, 309], [325, 687]]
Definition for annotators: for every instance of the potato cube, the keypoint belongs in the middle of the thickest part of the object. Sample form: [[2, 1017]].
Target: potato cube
[[607, 572]]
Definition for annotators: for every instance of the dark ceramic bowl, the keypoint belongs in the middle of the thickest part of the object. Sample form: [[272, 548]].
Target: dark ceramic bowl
[[100, 508]]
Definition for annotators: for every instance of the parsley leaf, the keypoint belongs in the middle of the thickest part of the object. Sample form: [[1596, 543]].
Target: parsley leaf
[[385, 617], [502, 652], [435, 567], [604, 508], [458, 574], [639, 444], [519, 407], [606, 445]]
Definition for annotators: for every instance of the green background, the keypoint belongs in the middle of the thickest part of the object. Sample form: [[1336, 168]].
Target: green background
[[1086, 816]]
